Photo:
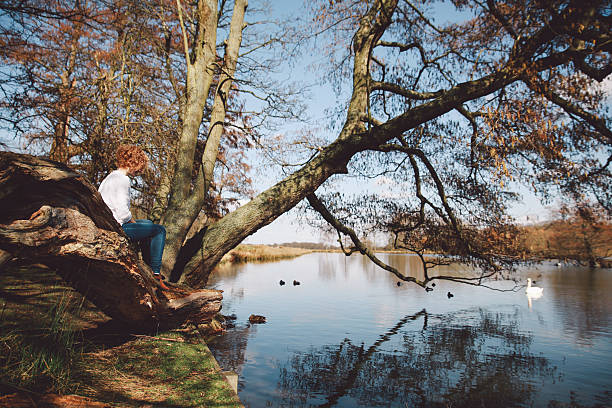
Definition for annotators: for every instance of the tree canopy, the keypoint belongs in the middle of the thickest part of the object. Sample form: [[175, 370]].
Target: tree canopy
[[454, 114], [453, 102]]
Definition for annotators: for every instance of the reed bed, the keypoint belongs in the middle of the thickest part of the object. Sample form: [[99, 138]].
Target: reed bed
[[262, 253]]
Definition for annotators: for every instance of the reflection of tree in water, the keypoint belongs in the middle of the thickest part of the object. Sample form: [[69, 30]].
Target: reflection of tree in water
[[484, 361], [328, 266], [230, 349], [227, 271]]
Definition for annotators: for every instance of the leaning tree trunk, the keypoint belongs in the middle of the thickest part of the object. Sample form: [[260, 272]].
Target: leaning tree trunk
[[52, 215], [208, 246]]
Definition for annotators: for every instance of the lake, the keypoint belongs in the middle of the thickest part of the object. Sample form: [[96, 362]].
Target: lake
[[348, 336]]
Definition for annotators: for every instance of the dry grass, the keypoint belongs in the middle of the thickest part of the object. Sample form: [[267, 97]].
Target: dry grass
[[40, 329], [262, 253], [157, 372], [52, 340]]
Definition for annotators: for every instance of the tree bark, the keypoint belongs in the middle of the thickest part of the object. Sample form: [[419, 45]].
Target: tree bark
[[178, 217], [53, 216], [60, 145], [192, 207]]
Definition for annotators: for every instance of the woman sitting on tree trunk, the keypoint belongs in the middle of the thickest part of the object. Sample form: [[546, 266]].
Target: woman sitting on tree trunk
[[115, 191]]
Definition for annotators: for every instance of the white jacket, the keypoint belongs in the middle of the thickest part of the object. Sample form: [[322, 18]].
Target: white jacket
[[115, 191]]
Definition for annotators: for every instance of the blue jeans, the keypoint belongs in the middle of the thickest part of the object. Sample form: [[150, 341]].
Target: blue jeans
[[152, 238]]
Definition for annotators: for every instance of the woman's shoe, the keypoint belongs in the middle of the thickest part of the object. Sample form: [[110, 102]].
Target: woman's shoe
[[161, 279]]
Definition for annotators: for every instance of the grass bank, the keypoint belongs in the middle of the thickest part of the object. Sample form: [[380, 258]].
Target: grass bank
[[53, 341], [262, 253]]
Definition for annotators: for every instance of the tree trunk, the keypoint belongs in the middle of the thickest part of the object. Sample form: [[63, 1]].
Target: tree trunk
[[191, 208], [179, 216], [59, 147], [53, 216]]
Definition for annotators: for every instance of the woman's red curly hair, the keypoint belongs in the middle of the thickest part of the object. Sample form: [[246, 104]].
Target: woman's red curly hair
[[131, 156]]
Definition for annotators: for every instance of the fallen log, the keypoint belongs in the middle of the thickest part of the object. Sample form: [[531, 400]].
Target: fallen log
[[53, 215]]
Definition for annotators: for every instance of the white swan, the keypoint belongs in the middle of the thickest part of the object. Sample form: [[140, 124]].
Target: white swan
[[533, 291]]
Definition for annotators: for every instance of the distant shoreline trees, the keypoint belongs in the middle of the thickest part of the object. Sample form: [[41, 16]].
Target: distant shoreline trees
[[582, 233]]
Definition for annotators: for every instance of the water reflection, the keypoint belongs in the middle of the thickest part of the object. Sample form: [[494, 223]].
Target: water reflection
[[230, 349], [582, 300], [327, 268], [473, 358], [410, 265], [228, 270], [344, 365], [344, 338], [448, 362], [532, 297]]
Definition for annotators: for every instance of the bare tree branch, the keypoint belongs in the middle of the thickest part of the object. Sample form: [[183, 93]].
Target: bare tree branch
[[318, 206]]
